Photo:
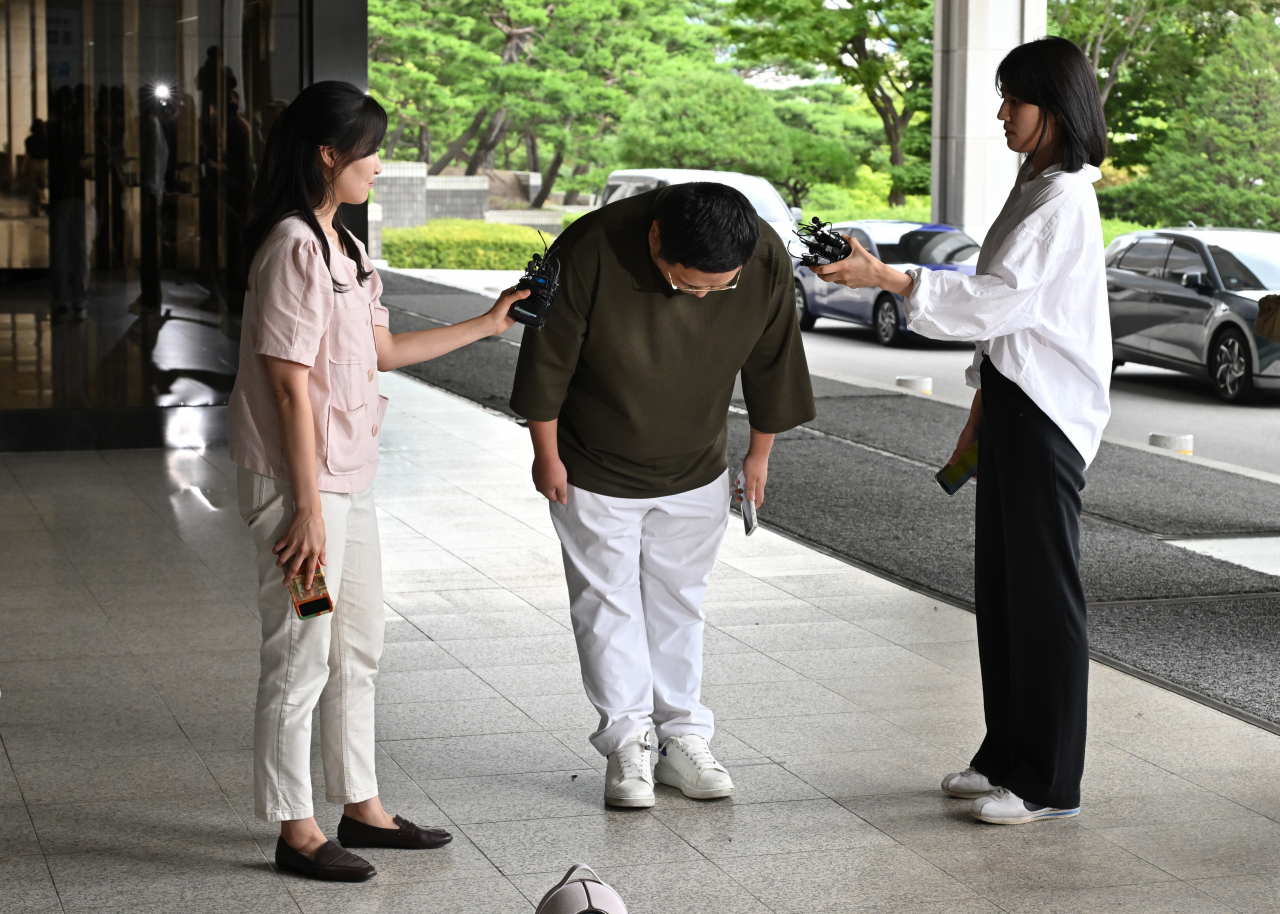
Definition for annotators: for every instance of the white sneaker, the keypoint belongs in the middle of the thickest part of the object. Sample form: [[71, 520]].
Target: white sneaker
[[628, 777], [967, 784], [1004, 807], [686, 762]]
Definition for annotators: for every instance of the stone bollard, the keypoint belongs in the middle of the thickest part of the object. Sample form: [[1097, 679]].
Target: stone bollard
[[1180, 443], [919, 383]]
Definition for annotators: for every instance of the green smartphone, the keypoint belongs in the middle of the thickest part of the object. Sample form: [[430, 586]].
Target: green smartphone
[[954, 475]]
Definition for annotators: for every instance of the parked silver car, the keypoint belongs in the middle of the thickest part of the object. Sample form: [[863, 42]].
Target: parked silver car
[[1187, 299]]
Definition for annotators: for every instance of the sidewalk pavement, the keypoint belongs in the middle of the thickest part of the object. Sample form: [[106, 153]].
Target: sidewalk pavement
[[129, 660]]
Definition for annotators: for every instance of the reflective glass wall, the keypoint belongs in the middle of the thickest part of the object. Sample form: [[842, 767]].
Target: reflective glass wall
[[131, 131]]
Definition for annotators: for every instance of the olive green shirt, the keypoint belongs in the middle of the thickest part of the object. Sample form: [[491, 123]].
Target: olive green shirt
[[640, 375]]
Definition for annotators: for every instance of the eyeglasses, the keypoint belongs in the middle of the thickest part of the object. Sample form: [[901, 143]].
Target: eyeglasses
[[733, 284]]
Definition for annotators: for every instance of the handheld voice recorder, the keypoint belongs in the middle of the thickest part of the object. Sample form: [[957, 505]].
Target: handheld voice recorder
[[542, 279], [744, 504], [313, 602], [825, 246]]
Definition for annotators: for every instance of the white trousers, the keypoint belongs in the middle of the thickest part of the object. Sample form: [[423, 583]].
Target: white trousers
[[637, 570], [330, 660]]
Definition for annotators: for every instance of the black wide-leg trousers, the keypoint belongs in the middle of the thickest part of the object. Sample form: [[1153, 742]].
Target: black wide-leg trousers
[[1032, 630]]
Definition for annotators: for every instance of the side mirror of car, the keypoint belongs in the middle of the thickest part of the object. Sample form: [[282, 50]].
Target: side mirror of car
[[1196, 280], [796, 213]]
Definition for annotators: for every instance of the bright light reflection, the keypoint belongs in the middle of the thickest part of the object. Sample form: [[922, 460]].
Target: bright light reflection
[[162, 92]]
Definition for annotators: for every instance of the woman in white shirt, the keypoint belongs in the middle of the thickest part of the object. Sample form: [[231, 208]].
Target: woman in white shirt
[[1037, 309]]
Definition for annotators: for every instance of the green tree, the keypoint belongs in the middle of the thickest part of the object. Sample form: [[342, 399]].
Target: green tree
[[428, 68], [884, 47], [1220, 161], [815, 159], [704, 119], [1147, 54], [549, 81]]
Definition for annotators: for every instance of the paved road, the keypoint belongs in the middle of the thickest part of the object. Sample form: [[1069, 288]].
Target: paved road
[[1143, 399]]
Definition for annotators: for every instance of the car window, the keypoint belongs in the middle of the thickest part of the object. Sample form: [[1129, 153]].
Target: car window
[[620, 190], [1147, 256], [1235, 275], [947, 247], [863, 238], [1184, 259]]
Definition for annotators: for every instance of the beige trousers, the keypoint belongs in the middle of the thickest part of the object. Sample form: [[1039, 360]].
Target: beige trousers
[[331, 660]]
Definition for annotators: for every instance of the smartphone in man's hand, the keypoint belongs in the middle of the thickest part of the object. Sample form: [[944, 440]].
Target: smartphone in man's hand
[[747, 506]]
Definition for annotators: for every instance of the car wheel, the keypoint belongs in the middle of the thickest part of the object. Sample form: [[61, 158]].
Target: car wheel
[[806, 317], [1230, 366], [885, 321]]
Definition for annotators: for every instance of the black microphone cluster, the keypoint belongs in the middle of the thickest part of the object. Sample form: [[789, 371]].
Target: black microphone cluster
[[825, 246]]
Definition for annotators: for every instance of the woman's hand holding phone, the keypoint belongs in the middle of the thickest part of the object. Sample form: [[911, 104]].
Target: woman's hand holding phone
[[301, 548]]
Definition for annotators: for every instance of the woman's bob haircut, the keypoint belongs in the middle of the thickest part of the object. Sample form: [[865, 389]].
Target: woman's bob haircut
[[291, 179], [1053, 74]]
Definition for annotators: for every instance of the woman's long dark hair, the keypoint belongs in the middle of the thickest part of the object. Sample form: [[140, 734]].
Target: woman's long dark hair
[[291, 179], [1054, 75]]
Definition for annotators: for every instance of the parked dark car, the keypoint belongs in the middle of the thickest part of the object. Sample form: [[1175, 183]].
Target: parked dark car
[[1187, 299], [903, 244]]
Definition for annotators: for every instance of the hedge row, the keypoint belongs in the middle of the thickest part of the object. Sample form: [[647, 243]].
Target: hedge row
[[461, 244]]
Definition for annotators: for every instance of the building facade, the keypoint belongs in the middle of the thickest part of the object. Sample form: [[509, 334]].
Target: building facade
[[130, 133]]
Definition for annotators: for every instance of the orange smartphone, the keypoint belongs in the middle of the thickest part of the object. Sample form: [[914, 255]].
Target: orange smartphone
[[313, 602]]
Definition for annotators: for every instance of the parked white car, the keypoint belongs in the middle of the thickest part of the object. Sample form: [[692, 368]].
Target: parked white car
[[767, 201]]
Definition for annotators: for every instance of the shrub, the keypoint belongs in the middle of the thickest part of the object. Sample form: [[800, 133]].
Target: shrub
[[461, 244]]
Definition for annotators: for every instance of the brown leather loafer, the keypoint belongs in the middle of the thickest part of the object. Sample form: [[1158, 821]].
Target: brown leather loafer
[[354, 833], [331, 863]]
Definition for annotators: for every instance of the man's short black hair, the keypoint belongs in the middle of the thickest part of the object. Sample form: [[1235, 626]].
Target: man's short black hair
[[707, 227]]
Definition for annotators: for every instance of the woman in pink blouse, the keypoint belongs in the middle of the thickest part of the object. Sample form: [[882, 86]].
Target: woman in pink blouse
[[303, 424]]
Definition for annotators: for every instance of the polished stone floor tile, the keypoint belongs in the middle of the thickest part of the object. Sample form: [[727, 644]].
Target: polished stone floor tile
[[473, 717], [491, 894], [881, 877], [26, 886], [478, 756], [722, 831], [841, 699], [84, 780], [1004, 862], [810, 734], [431, 685], [534, 679], [617, 837], [869, 772], [774, 699], [696, 886], [508, 798], [1247, 845], [1152, 898], [1246, 894]]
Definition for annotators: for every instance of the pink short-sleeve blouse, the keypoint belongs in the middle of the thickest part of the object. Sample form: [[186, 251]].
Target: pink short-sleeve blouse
[[292, 312]]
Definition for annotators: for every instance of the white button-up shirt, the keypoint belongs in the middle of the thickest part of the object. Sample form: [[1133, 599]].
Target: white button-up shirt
[[1037, 304]]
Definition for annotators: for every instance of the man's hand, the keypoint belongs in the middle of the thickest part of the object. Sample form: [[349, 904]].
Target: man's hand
[[549, 475], [755, 467], [551, 478], [861, 271]]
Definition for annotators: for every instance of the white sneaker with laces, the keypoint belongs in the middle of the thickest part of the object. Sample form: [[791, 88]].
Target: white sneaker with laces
[[968, 784], [1004, 807], [628, 776], [686, 762]]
